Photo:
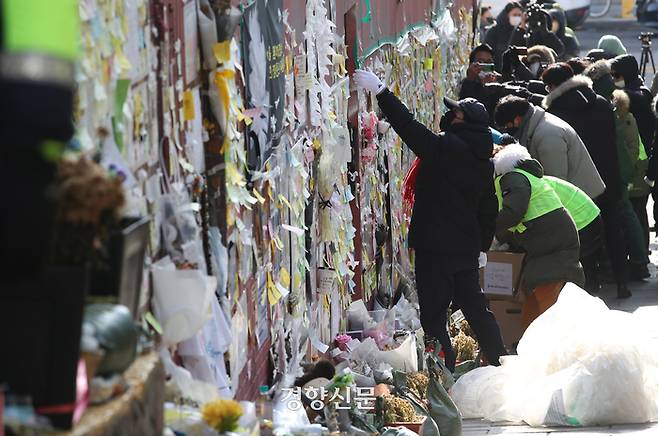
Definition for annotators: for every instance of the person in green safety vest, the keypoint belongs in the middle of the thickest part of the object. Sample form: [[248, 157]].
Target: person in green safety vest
[[39, 44], [532, 218], [587, 217]]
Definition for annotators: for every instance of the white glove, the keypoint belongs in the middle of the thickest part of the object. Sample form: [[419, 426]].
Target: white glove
[[482, 260], [368, 81], [649, 182]]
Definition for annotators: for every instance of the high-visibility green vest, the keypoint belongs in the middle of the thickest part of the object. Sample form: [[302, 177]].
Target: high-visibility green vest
[[581, 208], [40, 40], [642, 152], [543, 199]]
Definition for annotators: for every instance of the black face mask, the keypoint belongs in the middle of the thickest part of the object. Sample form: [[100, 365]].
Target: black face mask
[[446, 121], [511, 130]]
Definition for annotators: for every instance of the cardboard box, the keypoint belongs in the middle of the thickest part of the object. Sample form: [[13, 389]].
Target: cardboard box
[[508, 315], [501, 278]]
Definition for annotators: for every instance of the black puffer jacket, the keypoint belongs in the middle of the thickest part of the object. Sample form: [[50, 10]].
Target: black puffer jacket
[[626, 66], [502, 35], [593, 118], [455, 209], [550, 241], [571, 44]]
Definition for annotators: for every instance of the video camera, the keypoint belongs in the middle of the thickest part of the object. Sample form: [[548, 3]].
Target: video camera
[[645, 37], [538, 18]]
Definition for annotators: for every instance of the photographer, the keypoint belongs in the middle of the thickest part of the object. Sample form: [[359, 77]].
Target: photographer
[[473, 86], [559, 28], [539, 30], [513, 28]]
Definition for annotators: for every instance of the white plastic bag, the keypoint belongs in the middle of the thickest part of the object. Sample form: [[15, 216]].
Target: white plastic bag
[[404, 357], [181, 301], [579, 364]]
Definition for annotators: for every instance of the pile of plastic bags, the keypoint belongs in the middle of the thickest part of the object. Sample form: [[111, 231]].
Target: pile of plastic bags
[[578, 364]]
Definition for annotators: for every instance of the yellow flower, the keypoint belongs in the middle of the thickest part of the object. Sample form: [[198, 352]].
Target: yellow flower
[[222, 415]]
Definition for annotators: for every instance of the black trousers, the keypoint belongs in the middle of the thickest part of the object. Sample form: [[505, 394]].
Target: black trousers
[[591, 246], [614, 240], [437, 288], [640, 207]]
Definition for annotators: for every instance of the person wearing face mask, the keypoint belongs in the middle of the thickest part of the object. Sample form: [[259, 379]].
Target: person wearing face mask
[[632, 168], [559, 28], [551, 141], [572, 99], [508, 31], [486, 21], [454, 213], [626, 74], [473, 85]]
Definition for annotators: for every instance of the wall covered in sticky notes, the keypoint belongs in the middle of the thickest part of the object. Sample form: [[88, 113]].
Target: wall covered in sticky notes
[[239, 135]]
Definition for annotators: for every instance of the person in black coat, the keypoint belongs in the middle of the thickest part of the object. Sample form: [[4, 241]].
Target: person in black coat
[[473, 85], [572, 99], [513, 29], [454, 214], [626, 73], [559, 27]]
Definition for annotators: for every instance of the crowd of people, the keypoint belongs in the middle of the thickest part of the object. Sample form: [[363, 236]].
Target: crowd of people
[[547, 151]]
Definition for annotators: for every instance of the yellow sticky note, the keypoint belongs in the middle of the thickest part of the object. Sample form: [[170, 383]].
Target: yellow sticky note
[[269, 191], [273, 294], [429, 63], [296, 280], [285, 201], [242, 117], [284, 277], [259, 197], [316, 144], [222, 51], [124, 63], [188, 106]]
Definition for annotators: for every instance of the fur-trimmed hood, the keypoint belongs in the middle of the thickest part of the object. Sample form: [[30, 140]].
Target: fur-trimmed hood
[[573, 83], [621, 101], [507, 159], [543, 53], [598, 69]]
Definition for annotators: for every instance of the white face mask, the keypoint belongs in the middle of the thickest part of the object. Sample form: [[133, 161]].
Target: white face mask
[[515, 21], [620, 84]]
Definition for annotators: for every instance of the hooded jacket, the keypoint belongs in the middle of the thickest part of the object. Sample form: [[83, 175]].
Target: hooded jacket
[[455, 206], [640, 97], [602, 81], [550, 241], [612, 46], [632, 167], [559, 149], [571, 44], [502, 36], [593, 119]]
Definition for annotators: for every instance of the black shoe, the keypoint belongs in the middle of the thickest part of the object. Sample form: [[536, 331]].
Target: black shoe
[[638, 272], [623, 292]]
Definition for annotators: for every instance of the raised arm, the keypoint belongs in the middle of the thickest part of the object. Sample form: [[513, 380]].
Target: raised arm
[[418, 137]]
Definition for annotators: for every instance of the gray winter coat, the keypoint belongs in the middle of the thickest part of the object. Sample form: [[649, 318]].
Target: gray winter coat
[[559, 149], [551, 241]]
